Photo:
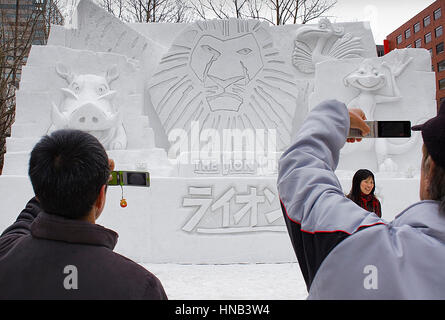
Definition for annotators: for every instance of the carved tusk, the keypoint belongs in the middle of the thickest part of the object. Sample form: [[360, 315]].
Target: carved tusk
[[59, 119], [68, 93]]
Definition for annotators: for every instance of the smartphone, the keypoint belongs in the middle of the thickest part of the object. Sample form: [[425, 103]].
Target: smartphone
[[384, 129], [130, 178]]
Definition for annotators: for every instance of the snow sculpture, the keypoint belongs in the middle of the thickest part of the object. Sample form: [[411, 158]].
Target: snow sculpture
[[396, 86], [101, 93], [88, 106], [243, 76], [225, 74], [370, 78], [241, 212], [314, 44]]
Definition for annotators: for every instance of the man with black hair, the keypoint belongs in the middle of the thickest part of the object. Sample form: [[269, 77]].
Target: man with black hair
[[55, 250], [344, 251]]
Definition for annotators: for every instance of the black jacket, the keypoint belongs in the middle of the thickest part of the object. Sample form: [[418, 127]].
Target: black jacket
[[44, 256]]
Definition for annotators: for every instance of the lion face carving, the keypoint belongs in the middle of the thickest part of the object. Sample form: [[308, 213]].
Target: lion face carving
[[210, 60], [225, 74]]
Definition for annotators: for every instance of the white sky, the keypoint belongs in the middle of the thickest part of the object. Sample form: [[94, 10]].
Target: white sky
[[385, 15]]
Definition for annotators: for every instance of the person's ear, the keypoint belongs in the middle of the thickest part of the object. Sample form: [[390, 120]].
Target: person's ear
[[111, 164], [100, 201]]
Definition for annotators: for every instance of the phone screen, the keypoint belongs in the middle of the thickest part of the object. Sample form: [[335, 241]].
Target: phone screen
[[129, 178], [394, 129], [136, 179]]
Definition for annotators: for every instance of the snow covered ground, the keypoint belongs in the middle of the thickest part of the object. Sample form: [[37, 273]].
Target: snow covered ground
[[282, 281]]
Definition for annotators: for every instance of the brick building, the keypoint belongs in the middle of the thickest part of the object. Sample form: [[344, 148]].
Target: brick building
[[23, 23], [425, 30]]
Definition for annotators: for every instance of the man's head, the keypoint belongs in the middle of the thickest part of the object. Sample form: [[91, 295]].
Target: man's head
[[69, 170], [432, 180]]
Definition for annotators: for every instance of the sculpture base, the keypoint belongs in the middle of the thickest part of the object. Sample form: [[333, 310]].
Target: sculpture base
[[202, 220]]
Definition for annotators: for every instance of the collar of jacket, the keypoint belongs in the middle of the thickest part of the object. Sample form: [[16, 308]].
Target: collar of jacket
[[425, 217], [52, 227]]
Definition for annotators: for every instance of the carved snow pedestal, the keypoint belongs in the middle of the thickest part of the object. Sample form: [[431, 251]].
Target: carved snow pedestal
[[208, 108], [397, 86], [100, 93]]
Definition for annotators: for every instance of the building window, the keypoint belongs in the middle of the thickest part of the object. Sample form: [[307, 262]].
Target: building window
[[428, 37], [418, 43], [438, 31], [407, 33], [426, 21], [417, 27], [441, 66], [380, 50], [441, 84], [37, 42], [431, 51], [409, 46], [7, 6], [439, 48], [437, 14], [399, 39], [39, 34]]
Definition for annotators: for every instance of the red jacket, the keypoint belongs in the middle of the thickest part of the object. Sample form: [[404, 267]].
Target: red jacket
[[371, 203]]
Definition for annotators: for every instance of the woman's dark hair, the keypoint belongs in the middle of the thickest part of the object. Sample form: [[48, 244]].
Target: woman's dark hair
[[67, 170], [359, 176]]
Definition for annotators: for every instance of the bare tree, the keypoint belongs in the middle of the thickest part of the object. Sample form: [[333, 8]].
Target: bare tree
[[148, 10], [277, 12], [118, 8], [305, 11], [294, 11], [221, 9], [256, 9], [22, 24], [182, 13]]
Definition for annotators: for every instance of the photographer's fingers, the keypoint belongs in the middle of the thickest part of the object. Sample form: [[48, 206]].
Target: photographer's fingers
[[111, 165], [357, 121]]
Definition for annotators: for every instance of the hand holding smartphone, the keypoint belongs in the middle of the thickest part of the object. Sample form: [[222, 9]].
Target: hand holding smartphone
[[384, 129], [129, 178]]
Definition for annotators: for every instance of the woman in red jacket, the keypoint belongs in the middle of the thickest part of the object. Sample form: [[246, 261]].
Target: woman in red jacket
[[362, 191]]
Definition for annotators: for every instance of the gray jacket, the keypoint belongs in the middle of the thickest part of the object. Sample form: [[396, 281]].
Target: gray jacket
[[344, 251]]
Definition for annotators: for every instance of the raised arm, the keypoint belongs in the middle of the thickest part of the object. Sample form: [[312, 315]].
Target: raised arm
[[317, 213], [20, 228]]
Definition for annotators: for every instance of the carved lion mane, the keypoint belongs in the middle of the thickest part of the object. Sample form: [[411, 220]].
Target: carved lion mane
[[226, 74]]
